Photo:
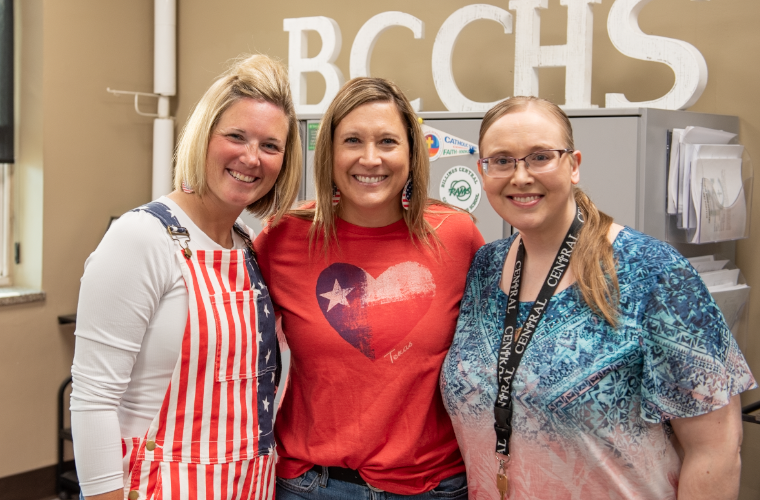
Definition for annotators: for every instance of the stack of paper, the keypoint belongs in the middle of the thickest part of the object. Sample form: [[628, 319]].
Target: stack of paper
[[725, 285], [707, 263], [705, 189]]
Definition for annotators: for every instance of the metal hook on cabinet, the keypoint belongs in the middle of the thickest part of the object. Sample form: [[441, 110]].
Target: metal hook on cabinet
[[163, 102]]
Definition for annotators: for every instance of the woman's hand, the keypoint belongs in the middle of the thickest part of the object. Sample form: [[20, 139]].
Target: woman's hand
[[711, 445]]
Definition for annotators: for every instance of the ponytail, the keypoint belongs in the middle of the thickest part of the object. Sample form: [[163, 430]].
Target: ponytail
[[593, 263]]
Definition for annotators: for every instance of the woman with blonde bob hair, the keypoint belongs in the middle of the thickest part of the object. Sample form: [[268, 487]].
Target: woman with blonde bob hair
[[367, 281], [259, 78], [174, 367], [589, 360]]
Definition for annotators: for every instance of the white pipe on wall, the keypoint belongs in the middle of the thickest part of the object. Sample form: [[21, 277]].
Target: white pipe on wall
[[165, 47], [165, 85], [163, 151]]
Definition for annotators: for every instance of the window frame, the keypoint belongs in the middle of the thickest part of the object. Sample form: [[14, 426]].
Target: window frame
[[8, 137], [5, 224]]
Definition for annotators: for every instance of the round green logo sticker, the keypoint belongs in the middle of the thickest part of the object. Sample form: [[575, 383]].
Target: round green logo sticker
[[460, 187]]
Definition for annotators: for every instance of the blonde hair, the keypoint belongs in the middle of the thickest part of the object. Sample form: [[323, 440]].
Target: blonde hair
[[256, 77], [355, 93], [592, 262]]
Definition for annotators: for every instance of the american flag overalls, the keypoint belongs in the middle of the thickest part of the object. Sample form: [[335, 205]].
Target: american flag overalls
[[212, 438]]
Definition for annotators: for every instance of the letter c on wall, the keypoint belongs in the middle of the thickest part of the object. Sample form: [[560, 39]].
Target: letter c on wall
[[298, 63], [683, 58], [364, 43], [443, 49]]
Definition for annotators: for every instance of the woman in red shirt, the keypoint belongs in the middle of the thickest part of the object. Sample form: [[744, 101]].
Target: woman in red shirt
[[368, 280]]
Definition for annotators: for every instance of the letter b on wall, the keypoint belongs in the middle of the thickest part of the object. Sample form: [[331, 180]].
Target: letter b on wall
[[322, 63]]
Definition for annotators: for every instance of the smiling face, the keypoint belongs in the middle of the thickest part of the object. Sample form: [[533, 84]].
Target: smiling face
[[531, 202], [245, 153], [371, 164]]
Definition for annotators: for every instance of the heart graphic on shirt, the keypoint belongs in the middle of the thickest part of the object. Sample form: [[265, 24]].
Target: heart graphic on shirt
[[375, 314]]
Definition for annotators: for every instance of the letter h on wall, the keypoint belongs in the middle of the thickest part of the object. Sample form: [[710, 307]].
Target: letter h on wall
[[575, 56]]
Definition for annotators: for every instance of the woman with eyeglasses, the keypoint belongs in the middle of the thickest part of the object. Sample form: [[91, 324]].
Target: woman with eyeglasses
[[368, 281], [589, 360]]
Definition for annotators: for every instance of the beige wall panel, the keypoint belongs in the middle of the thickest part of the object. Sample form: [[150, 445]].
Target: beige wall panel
[[211, 33], [96, 155]]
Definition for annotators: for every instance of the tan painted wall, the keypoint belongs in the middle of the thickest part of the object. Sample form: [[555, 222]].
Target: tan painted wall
[[97, 151]]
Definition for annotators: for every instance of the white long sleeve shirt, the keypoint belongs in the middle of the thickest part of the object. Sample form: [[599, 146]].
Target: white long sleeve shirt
[[130, 322]]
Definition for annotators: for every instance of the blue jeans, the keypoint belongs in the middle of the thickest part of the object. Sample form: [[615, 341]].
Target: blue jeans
[[314, 486]]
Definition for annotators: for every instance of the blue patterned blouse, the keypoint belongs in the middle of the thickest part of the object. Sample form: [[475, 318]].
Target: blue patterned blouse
[[591, 403]]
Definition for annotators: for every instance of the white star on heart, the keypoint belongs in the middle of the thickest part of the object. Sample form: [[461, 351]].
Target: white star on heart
[[337, 296], [266, 309], [269, 353], [266, 404]]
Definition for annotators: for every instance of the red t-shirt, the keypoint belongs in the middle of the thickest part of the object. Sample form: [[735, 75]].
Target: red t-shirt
[[368, 327]]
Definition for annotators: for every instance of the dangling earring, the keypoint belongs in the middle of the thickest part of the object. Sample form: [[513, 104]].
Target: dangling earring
[[187, 189], [336, 195], [406, 194]]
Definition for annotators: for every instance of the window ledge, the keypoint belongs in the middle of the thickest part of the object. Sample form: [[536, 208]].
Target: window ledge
[[14, 295]]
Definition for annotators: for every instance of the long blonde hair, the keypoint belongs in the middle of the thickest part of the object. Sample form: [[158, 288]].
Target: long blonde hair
[[592, 262], [257, 77], [355, 93]]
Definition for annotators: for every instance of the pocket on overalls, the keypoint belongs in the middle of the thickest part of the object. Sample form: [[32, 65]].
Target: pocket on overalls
[[237, 337]]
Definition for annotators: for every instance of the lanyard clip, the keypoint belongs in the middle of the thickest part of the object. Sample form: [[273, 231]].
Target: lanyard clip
[[177, 232], [504, 461]]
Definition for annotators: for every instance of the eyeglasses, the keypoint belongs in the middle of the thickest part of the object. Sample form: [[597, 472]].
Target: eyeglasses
[[538, 163]]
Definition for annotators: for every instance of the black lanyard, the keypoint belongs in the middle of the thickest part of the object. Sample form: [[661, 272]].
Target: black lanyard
[[510, 352]]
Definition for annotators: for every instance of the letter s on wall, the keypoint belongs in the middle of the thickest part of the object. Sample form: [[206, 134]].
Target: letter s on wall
[[683, 58], [361, 50]]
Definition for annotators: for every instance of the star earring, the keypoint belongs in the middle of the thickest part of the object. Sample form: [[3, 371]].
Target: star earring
[[406, 194], [336, 195], [187, 189]]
